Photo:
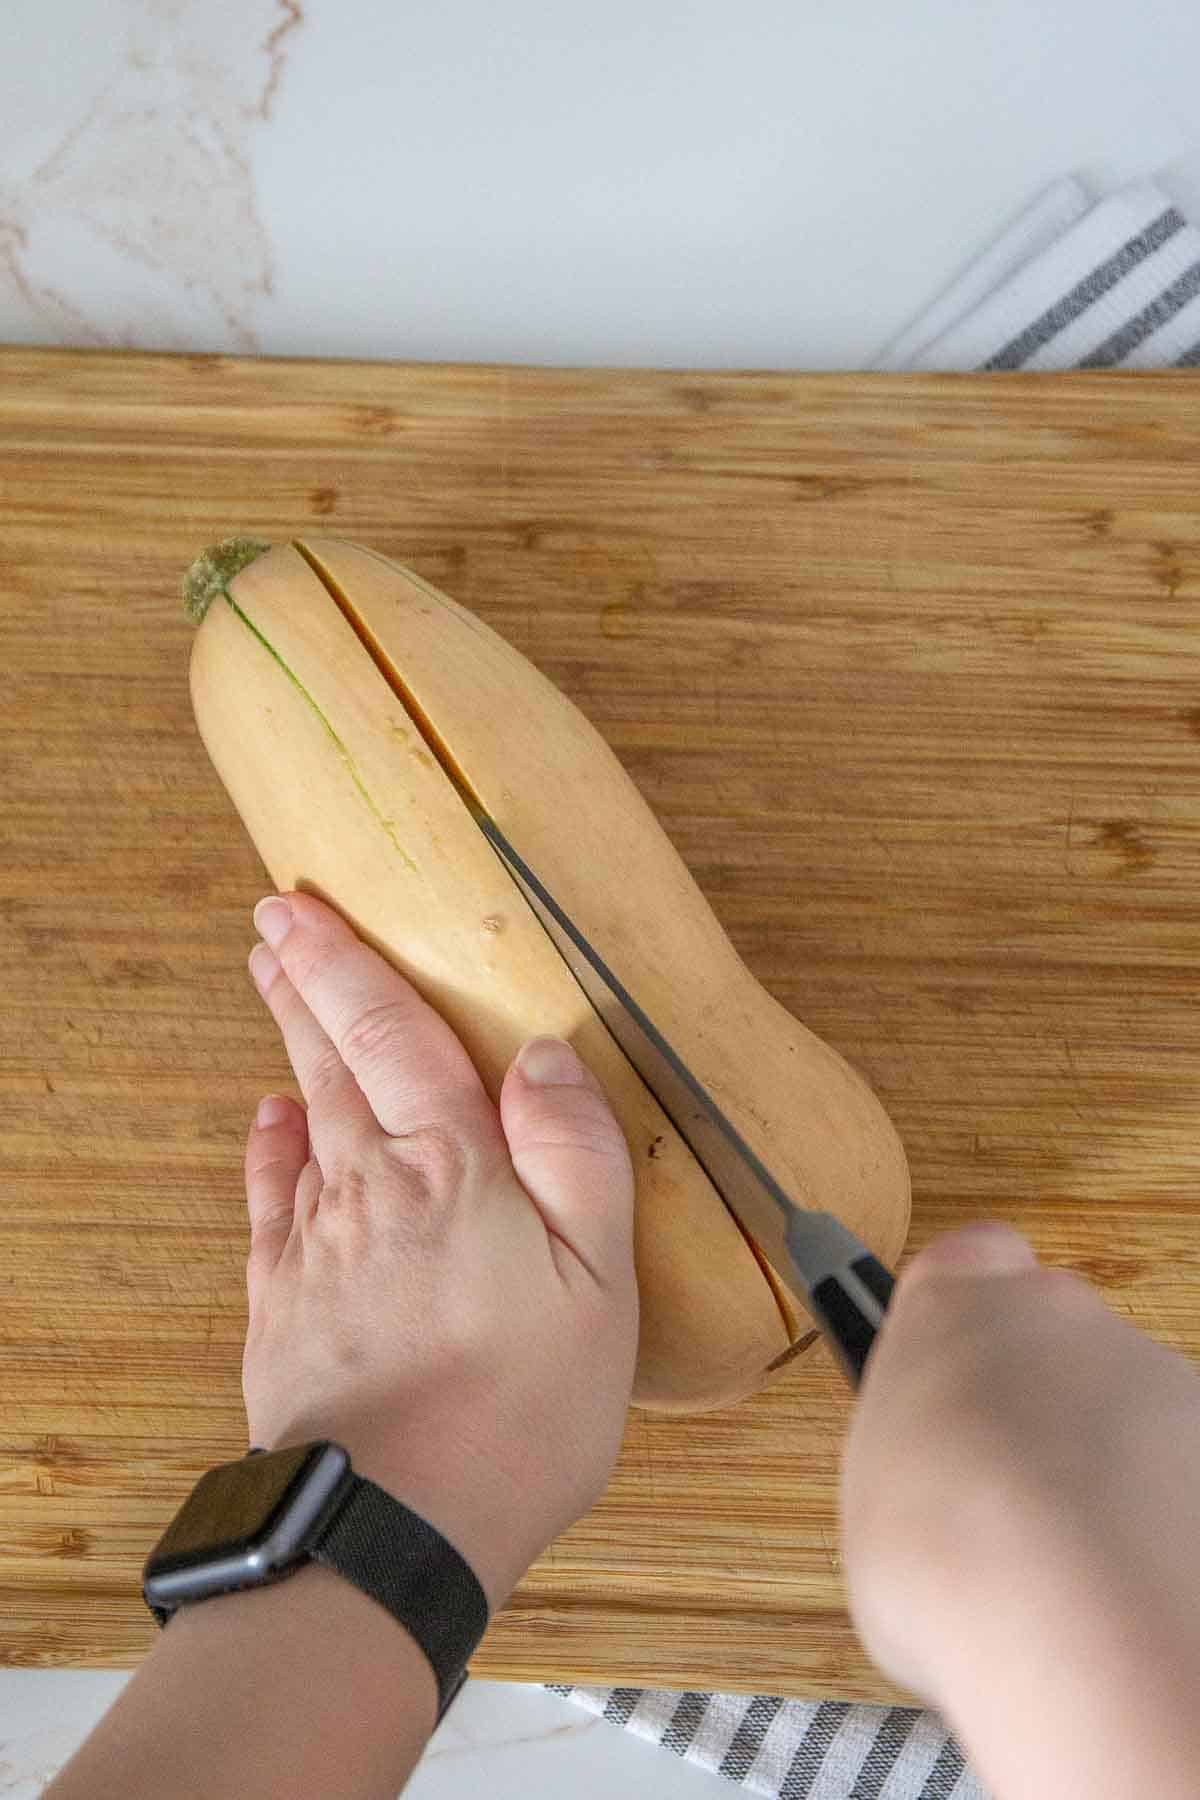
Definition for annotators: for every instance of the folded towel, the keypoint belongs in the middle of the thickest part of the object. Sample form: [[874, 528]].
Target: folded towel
[[796, 1749], [1035, 230], [1119, 286], [1070, 284]]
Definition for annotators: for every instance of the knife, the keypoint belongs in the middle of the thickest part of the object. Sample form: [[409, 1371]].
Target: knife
[[847, 1288]]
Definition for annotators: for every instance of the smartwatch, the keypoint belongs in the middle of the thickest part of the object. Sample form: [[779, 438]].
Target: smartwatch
[[250, 1523]]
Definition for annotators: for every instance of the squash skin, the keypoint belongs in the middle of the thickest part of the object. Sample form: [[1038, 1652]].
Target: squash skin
[[342, 797]]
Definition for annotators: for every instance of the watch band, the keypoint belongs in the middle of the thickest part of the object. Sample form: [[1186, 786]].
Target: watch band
[[397, 1557]]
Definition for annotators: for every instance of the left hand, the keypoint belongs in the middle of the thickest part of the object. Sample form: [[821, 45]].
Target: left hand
[[445, 1288]]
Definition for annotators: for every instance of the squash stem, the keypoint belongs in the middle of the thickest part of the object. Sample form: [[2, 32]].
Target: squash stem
[[214, 569]]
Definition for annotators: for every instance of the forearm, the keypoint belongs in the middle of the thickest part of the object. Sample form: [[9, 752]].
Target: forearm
[[1085, 1686], [306, 1687]]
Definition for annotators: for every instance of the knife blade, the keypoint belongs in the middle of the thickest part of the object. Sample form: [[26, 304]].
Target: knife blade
[[846, 1287]]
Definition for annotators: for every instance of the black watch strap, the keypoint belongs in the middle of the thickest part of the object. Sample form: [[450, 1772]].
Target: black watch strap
[[397, 1557]]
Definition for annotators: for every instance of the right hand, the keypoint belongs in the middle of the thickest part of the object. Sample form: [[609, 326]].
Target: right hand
[[1021, 1523]]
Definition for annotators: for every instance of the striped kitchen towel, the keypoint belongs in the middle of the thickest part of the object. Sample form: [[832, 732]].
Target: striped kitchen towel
[[1071, 285], [796, 1749]]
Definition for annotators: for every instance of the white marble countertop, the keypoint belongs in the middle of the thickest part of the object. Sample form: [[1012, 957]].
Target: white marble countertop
[[499, 1740], [699, 184], [704, 185]]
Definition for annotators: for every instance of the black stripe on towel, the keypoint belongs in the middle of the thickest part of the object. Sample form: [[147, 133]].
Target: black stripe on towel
[[1086, 292], [685, 1722], [1190, 358], [884, 1753], [620, 1704], [945, 1774], [805, 1766], [747, 1739], [1173, 299], [556, 1687]]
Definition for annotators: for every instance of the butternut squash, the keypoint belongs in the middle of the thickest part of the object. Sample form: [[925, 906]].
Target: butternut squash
[[332, 689]]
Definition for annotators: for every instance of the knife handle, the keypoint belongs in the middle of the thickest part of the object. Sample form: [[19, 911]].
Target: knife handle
[[850, 1306]]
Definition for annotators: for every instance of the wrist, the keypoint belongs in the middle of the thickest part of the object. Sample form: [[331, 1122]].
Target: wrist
[[313, 1599], [1072, 1660], [469, 1511], [464, 1503]]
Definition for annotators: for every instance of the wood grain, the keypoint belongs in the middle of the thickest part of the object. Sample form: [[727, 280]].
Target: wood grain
[[906, 666]]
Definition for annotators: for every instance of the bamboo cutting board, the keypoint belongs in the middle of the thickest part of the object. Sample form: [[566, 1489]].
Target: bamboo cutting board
[[908, 668]]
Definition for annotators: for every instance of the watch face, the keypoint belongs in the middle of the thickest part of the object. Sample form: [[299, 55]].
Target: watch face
[[244, 1522], [231, 1507]]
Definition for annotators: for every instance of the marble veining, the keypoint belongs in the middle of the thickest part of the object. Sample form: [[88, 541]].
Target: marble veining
[[141, 227]]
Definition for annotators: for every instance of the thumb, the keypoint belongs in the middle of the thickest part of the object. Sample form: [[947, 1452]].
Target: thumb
[[947, 1290], [986, 1247], [570, 1154]]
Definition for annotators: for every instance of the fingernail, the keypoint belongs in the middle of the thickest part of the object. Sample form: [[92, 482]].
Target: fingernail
[[271, 1111], [264, 967], [273, 919], [987, 1248], [551, 1062]]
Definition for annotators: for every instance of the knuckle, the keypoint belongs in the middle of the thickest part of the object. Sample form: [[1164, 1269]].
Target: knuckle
[[579, 1119], [261, 1166], [346, 1191], [303, 953], [436, 1154], [372, 1036], [326, 1075]]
